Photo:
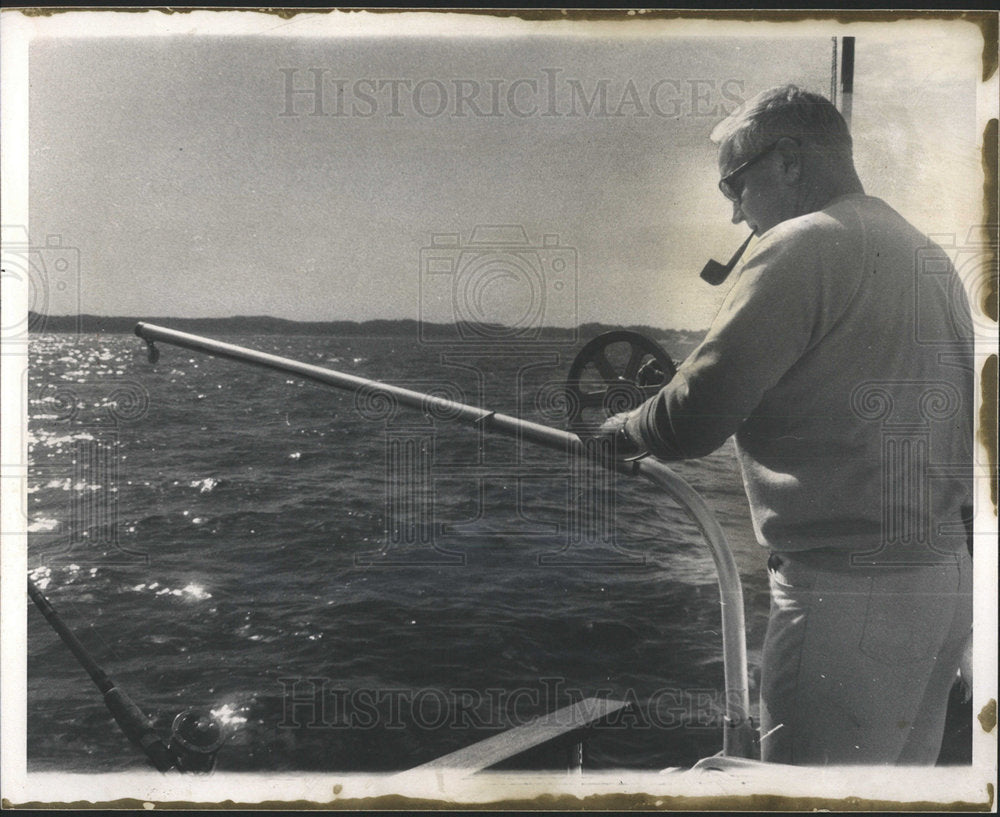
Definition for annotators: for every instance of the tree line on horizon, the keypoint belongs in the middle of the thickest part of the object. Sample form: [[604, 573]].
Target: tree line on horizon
[[264, 324]]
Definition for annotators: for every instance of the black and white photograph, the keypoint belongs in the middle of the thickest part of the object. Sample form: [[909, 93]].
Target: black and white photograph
[[498, 409]]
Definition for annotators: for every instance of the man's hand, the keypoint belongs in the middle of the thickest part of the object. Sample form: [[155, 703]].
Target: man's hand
[[624, 446], [650, 374]]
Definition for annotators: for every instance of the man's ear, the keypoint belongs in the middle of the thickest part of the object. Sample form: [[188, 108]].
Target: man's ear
[[791, 159]]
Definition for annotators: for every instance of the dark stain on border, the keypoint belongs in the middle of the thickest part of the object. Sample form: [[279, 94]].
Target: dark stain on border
[[985, 20], [988, 429], [988, 300], [988, 714], [560, 802]]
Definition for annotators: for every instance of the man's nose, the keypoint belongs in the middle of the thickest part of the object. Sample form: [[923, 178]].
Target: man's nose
[[737, 213]]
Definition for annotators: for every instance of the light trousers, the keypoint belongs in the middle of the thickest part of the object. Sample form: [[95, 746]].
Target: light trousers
[[858, 662]]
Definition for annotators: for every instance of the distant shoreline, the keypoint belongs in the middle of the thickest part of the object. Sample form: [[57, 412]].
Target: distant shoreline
[[265, 325]]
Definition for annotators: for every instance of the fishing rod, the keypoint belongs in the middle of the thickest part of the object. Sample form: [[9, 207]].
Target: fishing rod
[[195, 737], [739, 738], [130, 717]]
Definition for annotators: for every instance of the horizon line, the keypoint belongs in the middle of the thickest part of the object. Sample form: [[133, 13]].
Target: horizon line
[[36, 317]]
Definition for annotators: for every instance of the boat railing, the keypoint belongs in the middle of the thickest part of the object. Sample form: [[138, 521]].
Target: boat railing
[[738, 735]]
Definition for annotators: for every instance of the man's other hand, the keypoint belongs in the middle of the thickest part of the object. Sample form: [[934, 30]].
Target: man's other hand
[[614, 429]]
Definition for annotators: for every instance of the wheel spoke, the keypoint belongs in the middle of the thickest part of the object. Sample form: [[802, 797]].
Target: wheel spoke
[[605, 368], [632, 367]]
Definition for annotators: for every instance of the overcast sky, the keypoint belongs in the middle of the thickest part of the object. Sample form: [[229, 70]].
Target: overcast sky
[[170, 163]]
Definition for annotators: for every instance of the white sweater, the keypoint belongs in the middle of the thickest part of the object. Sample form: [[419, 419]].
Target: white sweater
[[842, 360]]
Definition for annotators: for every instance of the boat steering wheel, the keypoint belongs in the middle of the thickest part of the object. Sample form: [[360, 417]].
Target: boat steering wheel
[[616, 371]]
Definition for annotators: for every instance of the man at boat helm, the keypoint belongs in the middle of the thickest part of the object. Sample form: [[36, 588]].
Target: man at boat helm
[[841, 360]]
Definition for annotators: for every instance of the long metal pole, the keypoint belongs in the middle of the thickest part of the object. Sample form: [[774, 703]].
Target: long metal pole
[[738, 737]]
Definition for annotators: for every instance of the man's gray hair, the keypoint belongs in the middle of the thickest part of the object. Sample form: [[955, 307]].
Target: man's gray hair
[[786, 110]]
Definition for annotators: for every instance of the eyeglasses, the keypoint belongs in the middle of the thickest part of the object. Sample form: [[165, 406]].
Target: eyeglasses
[[730, 185]]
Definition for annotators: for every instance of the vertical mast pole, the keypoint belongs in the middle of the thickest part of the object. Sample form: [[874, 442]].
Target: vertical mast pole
[[833, 70], [847, 79]]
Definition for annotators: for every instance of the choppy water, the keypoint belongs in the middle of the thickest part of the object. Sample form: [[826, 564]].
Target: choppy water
[[233, 539]]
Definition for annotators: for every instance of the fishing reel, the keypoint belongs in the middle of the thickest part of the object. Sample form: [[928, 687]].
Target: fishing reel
[[195, 739], [616, 371]]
